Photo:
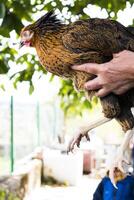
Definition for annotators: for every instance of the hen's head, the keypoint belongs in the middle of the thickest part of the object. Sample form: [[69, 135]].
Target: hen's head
[[47, 23], [27, 36]]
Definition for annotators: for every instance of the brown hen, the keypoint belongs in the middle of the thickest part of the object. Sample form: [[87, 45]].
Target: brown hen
[[59, 46]]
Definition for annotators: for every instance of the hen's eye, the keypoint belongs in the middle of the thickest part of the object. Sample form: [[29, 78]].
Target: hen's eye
[[26, 34]]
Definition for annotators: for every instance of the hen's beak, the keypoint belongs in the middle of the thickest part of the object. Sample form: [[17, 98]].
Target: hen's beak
[[21, 44]]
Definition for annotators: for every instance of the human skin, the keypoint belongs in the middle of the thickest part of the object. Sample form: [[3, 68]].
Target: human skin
[[116, 76]]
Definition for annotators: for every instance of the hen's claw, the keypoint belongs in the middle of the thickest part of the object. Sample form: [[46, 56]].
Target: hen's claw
[[76, 141], [83, 132], [120, 157], [117, 163]]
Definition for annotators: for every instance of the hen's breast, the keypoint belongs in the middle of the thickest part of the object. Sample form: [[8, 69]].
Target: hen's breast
[[58, 60], [59, 63], [54, 57]]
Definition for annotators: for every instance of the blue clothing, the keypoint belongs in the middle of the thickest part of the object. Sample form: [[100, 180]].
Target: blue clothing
[[106, 190]]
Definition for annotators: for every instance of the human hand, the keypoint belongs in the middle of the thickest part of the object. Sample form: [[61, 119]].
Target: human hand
[[116, 76]]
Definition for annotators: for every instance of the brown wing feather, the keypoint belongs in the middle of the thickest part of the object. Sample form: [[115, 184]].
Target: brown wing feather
[[101, 35]]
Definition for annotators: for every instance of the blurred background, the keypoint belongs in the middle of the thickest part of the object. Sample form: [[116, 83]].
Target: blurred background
[[38, 109]]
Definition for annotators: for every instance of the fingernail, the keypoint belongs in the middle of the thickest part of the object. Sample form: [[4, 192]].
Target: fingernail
[[74, 66], [87, 86]]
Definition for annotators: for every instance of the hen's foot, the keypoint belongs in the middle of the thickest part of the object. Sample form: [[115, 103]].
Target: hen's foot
[[120, 158], [83, 132], [118, 163], [76, 141]]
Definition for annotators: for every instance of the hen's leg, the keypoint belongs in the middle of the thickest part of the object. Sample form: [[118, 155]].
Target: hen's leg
[[119, 157], [111, 109], [126, 120], [83, 132]]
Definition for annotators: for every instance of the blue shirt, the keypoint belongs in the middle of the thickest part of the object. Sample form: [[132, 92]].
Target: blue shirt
[[106, 190]]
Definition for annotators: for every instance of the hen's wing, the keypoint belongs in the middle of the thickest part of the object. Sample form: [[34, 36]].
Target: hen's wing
[[101, 35]]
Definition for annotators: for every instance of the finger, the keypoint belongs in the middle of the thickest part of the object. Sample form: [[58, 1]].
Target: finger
[[119, 53], [102, 92], [120, 91], [93, 84], [115, 55], [92, 68], [123, 89]]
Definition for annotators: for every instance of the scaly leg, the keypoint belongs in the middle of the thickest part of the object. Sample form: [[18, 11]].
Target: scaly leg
[[119, 157], [83, 132]]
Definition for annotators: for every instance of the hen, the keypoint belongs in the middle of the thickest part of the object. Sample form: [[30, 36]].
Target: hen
[[59, 46]]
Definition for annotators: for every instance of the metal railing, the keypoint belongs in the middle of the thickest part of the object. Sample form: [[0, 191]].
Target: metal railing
[[25, 126]]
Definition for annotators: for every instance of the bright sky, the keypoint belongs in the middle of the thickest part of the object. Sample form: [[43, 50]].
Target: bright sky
[[44, 90]]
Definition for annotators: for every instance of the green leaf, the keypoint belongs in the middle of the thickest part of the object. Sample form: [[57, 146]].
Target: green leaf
[[2, 10], [51, 78], [3, 67], [31, 88], [95, 100], [88, 104], [2, 87], [10, 22]]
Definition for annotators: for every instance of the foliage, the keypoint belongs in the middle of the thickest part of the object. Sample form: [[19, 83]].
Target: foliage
[[6, 195], [13, 13], [72, 101]]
